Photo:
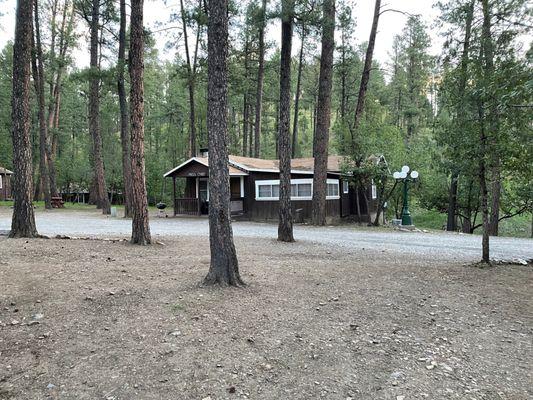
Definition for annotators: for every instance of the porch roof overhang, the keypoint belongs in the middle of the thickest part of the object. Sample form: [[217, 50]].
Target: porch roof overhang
[[203, 161], [5, 171]]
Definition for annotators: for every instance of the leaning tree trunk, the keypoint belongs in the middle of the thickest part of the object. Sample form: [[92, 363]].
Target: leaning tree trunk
[[23, 221], [224, 267], [140, 233], [323, 115], [285, 231], [38, 79], [365, 78], [124, 123], [102, 201], [260, 76]]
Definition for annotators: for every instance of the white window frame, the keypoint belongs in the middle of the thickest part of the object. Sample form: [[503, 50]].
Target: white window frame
[[293, 182], [345, 187], [1, 182], [374, 191]]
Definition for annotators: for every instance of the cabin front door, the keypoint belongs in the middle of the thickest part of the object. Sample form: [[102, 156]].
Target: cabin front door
[[203, 195]]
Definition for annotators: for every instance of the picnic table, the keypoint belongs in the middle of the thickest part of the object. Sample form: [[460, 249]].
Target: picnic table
[[57, 202]]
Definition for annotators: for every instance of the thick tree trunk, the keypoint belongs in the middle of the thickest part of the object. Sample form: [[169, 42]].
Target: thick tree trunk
[[38, 79], [260, 76], [124, 123], [297, 95], [224, 267], [285, 231], [140, 228], [323, 115], [102, 201], [365, 78], [23, 221]]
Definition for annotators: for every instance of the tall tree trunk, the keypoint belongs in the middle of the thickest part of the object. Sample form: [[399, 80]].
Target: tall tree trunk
[[102, 201], [251, 130], [365, 78], [23, 221], [246, 116], [451, 224], [190, 85], [485, 252], [140, 228], [38, 79], [297, 94], [55, 91], [224, 267], [124, 123], [260, 76], [285, 231], [496, 188], [323, 115]]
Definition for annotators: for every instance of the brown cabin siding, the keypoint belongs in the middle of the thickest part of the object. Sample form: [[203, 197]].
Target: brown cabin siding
[[5, 191], [268, 210]]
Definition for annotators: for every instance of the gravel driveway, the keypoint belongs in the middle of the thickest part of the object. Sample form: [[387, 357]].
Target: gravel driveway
[[438, 245]]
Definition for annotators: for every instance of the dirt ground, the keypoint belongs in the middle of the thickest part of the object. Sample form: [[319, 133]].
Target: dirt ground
[[92, 319]]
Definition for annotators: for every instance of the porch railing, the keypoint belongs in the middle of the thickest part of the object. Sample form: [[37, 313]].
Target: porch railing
[[186, 206]]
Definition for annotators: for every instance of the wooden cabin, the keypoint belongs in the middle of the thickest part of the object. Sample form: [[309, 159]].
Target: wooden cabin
[[254, 186], [5, 184]]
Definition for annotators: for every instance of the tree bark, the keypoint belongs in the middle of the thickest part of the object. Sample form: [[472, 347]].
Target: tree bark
[[285, 231], [297, 94], [260, 76], [224, 267], [38, 79], [23, 221], [323, 115], [124, 123], [365, 78], [102, 201], [140, 227]]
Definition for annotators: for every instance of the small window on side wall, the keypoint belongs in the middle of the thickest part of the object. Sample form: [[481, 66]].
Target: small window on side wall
[[345, 187]]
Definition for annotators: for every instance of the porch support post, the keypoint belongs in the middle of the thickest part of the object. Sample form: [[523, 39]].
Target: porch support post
[[174, 194]]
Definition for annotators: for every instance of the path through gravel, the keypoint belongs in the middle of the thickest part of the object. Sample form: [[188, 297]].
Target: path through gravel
[[440, 245]]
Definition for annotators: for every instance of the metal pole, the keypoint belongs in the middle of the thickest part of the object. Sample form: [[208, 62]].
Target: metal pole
[[406, 215]]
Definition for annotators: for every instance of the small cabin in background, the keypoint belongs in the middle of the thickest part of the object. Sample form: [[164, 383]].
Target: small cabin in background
[[5, 184], [254, 187]]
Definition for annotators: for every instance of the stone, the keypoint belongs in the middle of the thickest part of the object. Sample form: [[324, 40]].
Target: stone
[[401, 397]]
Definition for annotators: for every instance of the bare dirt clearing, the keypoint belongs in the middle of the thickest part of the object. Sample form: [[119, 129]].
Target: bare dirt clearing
[[85, 319]]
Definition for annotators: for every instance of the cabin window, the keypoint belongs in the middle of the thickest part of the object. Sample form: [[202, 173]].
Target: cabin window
[[301, 189], [333, 189], [345, 187], [374, 191]]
